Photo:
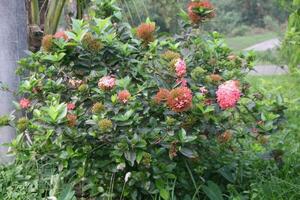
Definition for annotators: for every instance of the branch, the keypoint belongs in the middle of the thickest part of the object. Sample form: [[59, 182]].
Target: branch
[[53, 15]]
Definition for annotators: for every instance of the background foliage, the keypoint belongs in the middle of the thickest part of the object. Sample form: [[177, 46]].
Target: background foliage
[[234, 16]]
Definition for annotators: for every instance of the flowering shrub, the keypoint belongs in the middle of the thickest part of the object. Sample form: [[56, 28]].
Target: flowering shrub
[[118, 115], [200, 11]]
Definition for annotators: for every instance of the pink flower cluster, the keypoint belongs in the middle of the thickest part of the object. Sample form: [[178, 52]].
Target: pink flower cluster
[[228, 94], [71, 106], [180, 68], [182, 82], [61, 35], [24, 103], [107, 83]]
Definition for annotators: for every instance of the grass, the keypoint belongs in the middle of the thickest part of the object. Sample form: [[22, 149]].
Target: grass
[[242, 42], [282, 183], [289, 87]]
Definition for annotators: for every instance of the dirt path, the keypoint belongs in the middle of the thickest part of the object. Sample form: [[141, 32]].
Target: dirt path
[[267, 69], [264, 46]]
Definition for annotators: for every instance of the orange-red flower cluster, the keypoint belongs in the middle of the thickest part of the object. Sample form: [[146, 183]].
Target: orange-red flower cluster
[[124, 96], [145, 31], [47, 42], [225, 137], [200, 11], [72, 120], [162, 95], [180, 99]]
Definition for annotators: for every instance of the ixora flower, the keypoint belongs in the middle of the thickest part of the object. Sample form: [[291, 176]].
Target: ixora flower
[[75, 83], [162, 95], [180, 99], [145, 31], [215, 77], [180, 68], [24, 103], [22, 124], [97, 108], [47, 42], [72, 120], [225, 137], [228, 94], [70, 106], [91, 43], [61, 35], [124, 96], [170, 55], [105, 125], [199, 11], [107, 83]]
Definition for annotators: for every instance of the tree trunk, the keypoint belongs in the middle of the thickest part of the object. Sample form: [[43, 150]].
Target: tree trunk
[[13, 40]]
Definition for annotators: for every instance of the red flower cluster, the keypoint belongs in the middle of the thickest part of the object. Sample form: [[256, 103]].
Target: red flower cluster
[[200, 11], [162, 95], [180, 99], [124, 96], [145, 31]]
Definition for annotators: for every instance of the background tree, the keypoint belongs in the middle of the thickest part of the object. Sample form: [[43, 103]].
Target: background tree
[[291, 43]]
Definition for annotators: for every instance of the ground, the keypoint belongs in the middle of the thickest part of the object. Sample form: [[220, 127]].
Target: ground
[[242, 42]]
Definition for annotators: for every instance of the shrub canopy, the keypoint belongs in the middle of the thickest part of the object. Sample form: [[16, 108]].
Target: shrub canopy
[[114, 114]]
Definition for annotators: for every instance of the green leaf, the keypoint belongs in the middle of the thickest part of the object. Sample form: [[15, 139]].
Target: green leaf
[[102, 24], [114, 98], [124, 117], [139, 156], [228, 173], [184, 138], [62, 110], [164, 194], [213, 191], [80, 172], [52, 112], [190, 138], [54, 58], [182, 135], [131, 157], [188, 152], [124, 82], [67, 194]]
